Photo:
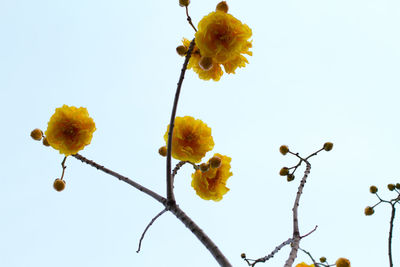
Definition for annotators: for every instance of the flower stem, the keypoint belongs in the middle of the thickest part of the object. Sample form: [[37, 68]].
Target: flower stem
[[390, 235], [170, 189]]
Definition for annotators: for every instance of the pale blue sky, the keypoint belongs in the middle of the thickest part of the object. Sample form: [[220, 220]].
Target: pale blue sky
[[322, 70]]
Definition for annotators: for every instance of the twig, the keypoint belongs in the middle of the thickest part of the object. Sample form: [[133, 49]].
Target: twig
[[63, 167], [177, 167], [189, 19], [296, 232], [270, 255], [148, 226], [141, 188], [170, 189], [311, 257], [390, 235]]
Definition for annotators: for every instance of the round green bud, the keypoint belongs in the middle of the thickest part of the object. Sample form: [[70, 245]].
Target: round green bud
[[369, 211], [204, 167], [215, 162], [322, 259], [283, 149], [290, 177], [284, 171], [37, 134], [222, 6], [373, 189], [59, 185], [391, 187], [328, 146]]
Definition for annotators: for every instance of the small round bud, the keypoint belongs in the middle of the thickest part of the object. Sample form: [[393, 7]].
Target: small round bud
[[284, 171], [204, 167], [373, 189], [322, 259], [284, 150], [184, 2], [342, 262], [215, 162], [290, 177], [397, 186], [162, 151], [45, 142], [243, 255], [181, 50], [369, 211], [391, 187], [37, 134], [206, 63], [328, 146], [59, 185], [222, 6]]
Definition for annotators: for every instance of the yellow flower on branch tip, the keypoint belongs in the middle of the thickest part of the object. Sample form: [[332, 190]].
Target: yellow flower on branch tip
[[70, 129], [342, 262], [191, 139], [211, 184], [224, 38], [304, 265]]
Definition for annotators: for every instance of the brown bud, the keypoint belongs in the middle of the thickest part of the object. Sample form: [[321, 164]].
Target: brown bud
[[222, 6], [59, 185], [163, 151], [204, 167], [184, 2], [206, 63], [181, 50], [215, 162], [37, 134], [328, 146]]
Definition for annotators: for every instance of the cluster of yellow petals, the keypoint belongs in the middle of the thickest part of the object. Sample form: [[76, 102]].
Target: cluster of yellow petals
[[223, 38], [304, 265], [70, 129], [342, 262], [191, 139], [211, 184]]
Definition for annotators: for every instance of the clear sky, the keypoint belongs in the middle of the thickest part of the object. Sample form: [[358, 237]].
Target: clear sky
[[321, 70]]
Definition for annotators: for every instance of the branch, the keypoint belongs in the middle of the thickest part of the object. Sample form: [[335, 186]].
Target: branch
[[198, 232], [170, 186], [390, 235], [296, 232], [141, 188], [148, 226]]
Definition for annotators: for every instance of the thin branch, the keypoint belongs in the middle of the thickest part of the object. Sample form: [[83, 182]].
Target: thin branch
[[390, 235], [63, 167], [198, 232], [141, 188], [309, 255], [177, 167], [296, 232], [148, 226], [269, 256], [170, 189], [189, 19]]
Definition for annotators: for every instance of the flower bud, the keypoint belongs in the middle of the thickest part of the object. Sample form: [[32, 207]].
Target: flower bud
[[391, 187], [206, 63], [373, 189], [181, 50], [290, 177], [37, 134], [328, 146], [369, 211], [322, 259], [243, 255], [215, 162], [397, 186], [204, 167], [184, 2], [284, 150], [284, 171], [342, 262], [222, 6], [59, 185], [45, 142], [163, 151]]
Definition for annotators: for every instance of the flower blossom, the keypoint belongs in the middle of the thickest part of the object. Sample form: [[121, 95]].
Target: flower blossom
[[70, 129], [304, 265], [191, 139], [211, 184]]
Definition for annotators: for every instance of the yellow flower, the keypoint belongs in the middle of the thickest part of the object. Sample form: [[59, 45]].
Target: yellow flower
[[224, 38], [70, 129], [342, 262], [191, 139], [304, 265], [214, 73], [211, 185]]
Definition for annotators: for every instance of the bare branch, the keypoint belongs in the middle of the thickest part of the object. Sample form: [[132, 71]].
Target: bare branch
[[148, 226]]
